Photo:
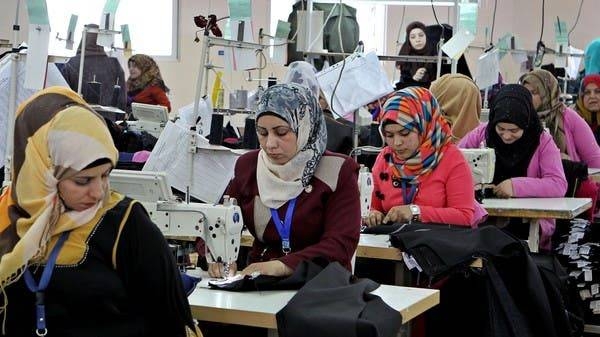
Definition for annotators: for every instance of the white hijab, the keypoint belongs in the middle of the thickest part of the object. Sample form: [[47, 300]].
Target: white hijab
[[299, 108]]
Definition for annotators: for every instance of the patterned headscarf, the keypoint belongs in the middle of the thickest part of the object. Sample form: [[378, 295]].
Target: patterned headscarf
[[56, 136], [591, 59], [299, 108], [415, 108], [303, 73], [150, 73], [460, 101], [551, 110]]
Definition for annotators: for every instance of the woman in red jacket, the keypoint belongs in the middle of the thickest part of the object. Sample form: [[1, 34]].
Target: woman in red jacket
[[420, 174], [145, 84]]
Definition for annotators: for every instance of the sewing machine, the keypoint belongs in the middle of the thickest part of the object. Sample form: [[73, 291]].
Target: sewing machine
[[482, 162], [150, 118], [219, 225], [365, 188]]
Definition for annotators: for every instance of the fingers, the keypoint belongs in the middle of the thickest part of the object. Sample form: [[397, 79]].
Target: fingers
[[373, 219], [215, 269]]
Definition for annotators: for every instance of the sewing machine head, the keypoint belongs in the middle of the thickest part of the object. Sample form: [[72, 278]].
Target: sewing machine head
[[150, 118], [365, 188], [219, 225], [482, 162]]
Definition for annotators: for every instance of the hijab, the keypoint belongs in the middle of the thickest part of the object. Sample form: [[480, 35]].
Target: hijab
[[585, 113], [407, 49], [591, 57], [460, 102], [56, 136], [297, 106], [415, 108], [91, 43], [513, 104], [150, 74], [551, 111], [304, 74]]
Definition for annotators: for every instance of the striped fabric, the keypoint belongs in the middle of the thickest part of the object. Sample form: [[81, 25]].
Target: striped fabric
[[415, 108], [56, 136]]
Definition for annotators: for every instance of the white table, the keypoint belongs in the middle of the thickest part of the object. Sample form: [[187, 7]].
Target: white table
[[258, 308], [535, 209]]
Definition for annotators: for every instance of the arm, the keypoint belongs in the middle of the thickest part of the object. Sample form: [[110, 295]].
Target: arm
[[378, 167], [148, 270], [585, 142], [460, 198], [473, 139], [550, 180], [341, 222]]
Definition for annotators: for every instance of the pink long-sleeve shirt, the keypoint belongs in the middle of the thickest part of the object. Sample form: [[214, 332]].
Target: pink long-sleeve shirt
[[581, 144]]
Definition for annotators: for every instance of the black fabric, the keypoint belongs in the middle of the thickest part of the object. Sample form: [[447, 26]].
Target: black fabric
[[575, 172], [507, 297], [332, 305], [513, 104]]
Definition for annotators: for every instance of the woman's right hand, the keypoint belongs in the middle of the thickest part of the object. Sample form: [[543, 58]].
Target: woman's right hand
[[419, 74], [373, 219], [216, 269]]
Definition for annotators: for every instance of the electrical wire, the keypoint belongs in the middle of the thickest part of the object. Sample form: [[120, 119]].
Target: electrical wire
[[493, 23], [576, 21], [543, 10], [435, 15], [343, 60]]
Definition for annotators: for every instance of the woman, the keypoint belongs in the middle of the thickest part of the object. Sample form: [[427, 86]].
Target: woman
[[591, 59], [299, 201], [416, 44], [588, 102], [570, 132], [114, 275], [460, 101], [420, 174], [527, 159], [145, 84]]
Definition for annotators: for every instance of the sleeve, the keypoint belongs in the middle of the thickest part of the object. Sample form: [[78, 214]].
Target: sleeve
[[585, 142], [341, 222], [460, 198], [376, 203], [70, 74], [551, 181], [473, 138], [149, 272], [160, 97]]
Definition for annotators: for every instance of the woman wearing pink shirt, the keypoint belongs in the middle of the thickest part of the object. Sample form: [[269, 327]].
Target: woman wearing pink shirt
[[420, 174], [528, 162]]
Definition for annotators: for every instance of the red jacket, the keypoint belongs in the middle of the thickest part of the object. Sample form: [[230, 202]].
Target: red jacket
[[152, 95]]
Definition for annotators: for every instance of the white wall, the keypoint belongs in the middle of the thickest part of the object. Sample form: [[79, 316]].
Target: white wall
[[521, 18]]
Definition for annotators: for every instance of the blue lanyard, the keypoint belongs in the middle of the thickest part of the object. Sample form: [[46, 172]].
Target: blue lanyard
[[284, 227], [38, 289], [408, 197]]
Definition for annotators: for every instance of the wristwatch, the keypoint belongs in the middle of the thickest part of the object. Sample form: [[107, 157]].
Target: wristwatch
[[415, 211]]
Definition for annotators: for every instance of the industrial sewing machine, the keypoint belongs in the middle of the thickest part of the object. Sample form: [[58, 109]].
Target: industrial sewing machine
[[150, 118], [219, 225], [365, 188], [482, 162]]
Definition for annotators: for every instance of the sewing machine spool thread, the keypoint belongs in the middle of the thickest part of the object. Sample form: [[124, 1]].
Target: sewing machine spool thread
[[375, 136], [271, 81], [216, 129], [92, 92], [250, 140], [114, 101]]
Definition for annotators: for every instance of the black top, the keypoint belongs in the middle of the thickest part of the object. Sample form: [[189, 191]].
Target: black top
[[143, 296]]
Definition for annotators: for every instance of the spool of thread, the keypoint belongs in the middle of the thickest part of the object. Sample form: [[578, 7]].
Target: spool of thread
[[250, 140], [271, 81], [374, 136], [92, 92], [114, 101], [216, 129]]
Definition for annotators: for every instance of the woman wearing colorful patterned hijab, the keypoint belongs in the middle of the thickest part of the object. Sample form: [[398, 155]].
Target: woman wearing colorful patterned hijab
[[298, 200], [420, 174], [59, 210]]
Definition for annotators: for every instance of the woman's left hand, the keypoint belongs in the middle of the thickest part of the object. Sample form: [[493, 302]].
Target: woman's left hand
[[504, 189], [398, 214], [272, 268]]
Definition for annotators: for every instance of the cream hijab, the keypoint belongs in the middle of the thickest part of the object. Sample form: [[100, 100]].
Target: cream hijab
[[298, 106]]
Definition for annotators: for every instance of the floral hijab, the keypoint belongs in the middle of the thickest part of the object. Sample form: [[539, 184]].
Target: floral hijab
[[150, 74], [298, 106], [415, 108], [56, 136]]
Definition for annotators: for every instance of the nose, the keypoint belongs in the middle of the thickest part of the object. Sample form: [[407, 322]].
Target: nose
[[398, 140], [505, 136], [97, 189], [271, 142]]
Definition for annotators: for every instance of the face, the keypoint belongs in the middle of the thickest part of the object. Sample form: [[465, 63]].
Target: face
[[404, 142], [591, 97], [537, 99], [509, 132], [134, 71], [85, 189], [276, 138], [417, 38]]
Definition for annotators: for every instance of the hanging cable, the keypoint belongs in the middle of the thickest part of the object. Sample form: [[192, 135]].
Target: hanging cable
[[435, 15], [543, 10], [576, 21], [540, 48], [493, 24], [339, 28]]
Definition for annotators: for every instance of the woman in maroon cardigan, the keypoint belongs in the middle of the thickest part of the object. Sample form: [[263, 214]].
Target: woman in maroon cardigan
[[311, 193]]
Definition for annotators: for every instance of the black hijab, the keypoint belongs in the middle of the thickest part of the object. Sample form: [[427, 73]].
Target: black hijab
[[513, 104]]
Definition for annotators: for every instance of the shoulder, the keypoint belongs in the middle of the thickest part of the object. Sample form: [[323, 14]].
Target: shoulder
[[572, 118], [333, 166], [546, 142], [452, 157], [248, 159]]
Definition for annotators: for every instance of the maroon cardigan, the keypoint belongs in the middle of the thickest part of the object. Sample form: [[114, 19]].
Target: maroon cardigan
[[326, 221]]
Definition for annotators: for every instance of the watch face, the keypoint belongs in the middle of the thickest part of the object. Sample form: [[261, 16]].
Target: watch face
[[414, 209]]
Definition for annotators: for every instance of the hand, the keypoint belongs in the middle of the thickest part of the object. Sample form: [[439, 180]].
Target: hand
[[216, 269], [373, 219], [398, 214], [504, 189], [271, 268], [418, 76]]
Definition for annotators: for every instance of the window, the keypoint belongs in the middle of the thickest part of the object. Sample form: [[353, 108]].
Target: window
[[370, 17], [152, 24]]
